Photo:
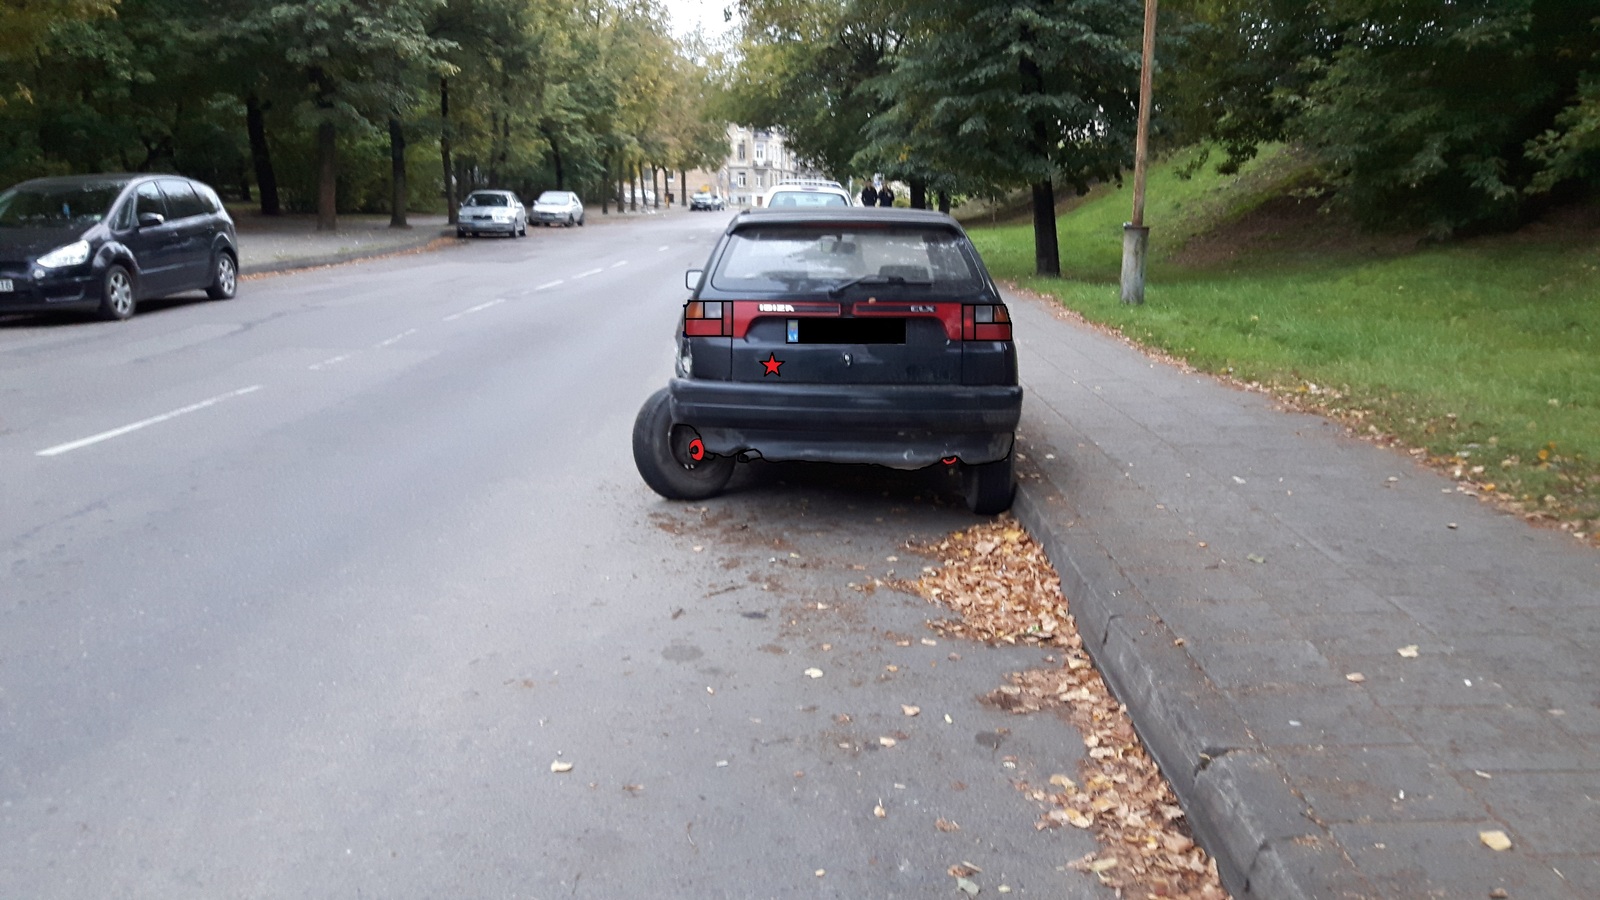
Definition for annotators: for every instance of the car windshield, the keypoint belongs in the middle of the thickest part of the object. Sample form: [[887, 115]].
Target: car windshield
[[820, 258], [487, 200], [552, 197], [56, 206], [807, 199]]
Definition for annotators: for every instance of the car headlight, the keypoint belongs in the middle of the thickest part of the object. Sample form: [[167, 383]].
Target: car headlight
[[73, 254]]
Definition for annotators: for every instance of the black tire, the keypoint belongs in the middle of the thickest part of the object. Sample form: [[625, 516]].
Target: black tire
[[580, 221], [461, 232], [660, 451], [571, 221], [224, 277], [989, 487], [117, 294]]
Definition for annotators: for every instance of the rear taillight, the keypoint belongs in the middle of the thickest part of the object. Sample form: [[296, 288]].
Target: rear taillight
[[711, 318], [986, 322]]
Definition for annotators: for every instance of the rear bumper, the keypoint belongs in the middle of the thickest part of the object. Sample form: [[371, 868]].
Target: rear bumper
[[900, 426]]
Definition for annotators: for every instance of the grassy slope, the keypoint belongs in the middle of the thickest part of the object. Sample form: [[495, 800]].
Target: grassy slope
[[1484, 352]]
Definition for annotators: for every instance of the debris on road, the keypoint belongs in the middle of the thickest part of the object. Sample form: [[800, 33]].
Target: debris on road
[[997, 578]]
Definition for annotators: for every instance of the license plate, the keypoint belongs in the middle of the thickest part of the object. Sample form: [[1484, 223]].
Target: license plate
[[5, 285]]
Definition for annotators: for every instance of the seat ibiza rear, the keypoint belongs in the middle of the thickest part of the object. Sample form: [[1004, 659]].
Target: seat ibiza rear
[[858, 336]]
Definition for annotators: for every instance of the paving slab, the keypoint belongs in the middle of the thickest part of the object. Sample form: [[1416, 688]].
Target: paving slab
[[1244, 575]]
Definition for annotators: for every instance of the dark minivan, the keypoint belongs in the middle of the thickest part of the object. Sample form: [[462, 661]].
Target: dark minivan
[[105, 242]]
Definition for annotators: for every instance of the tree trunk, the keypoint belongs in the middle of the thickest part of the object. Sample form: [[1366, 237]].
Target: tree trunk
[[397, 168], [655, 185], [244, 184], [444, 151], [555, 159], [605, 189], [919, 194], [1046, 252], [261, 156], [944, 202], [328, 179], [633, 188]]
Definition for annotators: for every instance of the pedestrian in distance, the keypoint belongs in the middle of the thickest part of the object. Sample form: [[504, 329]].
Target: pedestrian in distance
[[869, 195], [886, 196]]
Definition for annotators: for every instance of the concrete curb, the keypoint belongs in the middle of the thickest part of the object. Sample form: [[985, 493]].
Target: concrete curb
[[1260, 832], [314, 262]]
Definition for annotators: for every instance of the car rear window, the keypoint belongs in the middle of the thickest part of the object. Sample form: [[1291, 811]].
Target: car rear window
[[553, 197], [487, 200], [816, 258], [807, 199]]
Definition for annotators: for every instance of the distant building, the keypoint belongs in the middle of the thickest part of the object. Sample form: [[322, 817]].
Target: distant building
[[757, 160]]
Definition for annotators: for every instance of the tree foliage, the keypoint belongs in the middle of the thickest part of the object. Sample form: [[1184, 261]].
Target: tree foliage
[[1449, 115], [260, 96]]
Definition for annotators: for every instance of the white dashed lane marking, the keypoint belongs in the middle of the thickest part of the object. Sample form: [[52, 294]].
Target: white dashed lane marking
[[329, 363], [588, 273], [397, 338], [619, 264], [59, 449], [550, 284], [663, 248]]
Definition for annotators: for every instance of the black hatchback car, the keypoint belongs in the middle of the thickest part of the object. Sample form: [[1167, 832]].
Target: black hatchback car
[[105, 242], [845, 335]]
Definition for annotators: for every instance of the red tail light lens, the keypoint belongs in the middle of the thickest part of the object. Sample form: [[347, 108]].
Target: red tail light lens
[[986, 322], [709, 318]]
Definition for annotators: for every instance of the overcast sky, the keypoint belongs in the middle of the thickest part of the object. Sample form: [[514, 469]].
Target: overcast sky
[[707, 14]]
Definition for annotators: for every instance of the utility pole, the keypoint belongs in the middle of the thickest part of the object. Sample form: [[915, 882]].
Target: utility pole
[[1135, 235]]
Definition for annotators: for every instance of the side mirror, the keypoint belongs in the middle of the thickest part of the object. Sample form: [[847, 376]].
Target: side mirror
[[692, 278], [151, 220]]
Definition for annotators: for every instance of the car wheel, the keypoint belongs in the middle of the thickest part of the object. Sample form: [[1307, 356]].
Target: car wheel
[[224, 277], [461, 232], [989, 487], [580, 221], [571, 220], [664, 451], [116, 294]]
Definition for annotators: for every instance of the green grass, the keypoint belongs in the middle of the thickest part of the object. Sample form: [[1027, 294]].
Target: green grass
[[1485, 352]]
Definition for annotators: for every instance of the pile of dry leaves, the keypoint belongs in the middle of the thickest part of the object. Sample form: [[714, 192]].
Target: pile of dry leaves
[[998, 579]]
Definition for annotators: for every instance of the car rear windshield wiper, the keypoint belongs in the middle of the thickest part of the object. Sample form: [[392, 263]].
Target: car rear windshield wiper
[[874, 280]]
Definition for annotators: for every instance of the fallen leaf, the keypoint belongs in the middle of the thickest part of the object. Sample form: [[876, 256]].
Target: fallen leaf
[[946, 825], [813, 672], [879, 811], [1498, 894], [968, 885], [1495, 840], [1409, 651], [1355, 678], [886, 741], [1062, 781], [1103, 865], [722, 764], [910, 710], [1078, 819], [892, 668], [822, 606], [1257, 558], [1004, 888], [963, 869], [559, 767], [821, 872]]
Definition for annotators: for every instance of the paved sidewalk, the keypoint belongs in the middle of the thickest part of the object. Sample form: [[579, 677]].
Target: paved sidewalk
[[282, 243], [1233, 566]]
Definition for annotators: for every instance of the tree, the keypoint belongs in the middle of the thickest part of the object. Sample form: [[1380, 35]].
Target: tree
[[1026, 92]]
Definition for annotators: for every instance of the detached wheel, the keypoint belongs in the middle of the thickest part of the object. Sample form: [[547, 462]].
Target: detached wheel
[[224, 277], [116, 294], [664, 453], [989, 487]]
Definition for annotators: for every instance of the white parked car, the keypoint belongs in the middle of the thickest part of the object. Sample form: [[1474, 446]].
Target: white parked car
[[492, 212], [805, 195], [558, 208]]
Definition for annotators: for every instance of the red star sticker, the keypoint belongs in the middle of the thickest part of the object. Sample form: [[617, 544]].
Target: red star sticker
[[772, 362]]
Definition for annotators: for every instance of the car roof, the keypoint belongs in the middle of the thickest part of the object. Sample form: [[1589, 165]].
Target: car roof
[[69, 181], [844, 215]]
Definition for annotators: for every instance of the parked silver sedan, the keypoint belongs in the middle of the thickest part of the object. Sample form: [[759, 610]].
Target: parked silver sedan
[[558, 208], [492, 212]]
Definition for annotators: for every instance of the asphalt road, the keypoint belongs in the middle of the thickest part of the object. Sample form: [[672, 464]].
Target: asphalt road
[[301, 594]]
